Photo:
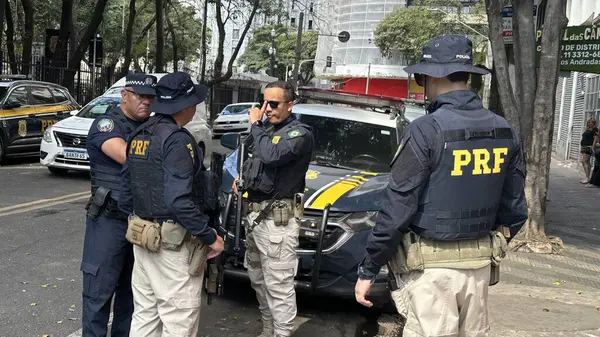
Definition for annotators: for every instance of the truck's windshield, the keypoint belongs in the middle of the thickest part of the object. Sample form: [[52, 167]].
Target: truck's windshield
[[100, 106], [351, 144]]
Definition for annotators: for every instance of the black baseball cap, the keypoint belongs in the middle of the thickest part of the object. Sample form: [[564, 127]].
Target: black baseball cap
[[175, 92], [141, 83], [445, 55]]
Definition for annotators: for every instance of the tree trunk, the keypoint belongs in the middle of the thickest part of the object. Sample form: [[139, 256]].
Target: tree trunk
[[160, 38], [75, 61], [10, 39], [525, 70], [218, 68], [533, 236], [174, 39], [505, 91], [66, 22], [2, 8], [203, 50], [27, 36], [128, 39]]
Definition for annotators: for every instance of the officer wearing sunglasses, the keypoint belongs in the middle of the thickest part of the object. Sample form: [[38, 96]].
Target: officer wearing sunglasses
[[281, 151]]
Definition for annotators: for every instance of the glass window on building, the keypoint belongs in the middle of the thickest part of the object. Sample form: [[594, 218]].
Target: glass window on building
[[293, 22], [310, 24], [236, 34]]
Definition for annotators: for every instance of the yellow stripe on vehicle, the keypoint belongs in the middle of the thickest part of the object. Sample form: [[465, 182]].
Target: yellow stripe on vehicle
[[369, 173], [355, 180], [33, 111], [335, 192], [360, 177], [53, 108]]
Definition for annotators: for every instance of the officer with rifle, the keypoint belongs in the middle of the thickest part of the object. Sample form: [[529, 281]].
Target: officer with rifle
[[164, 192], [456, 181], [107, 257], [273, 177]]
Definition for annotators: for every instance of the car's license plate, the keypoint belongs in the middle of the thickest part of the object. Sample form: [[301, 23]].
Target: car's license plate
[[75, 154]]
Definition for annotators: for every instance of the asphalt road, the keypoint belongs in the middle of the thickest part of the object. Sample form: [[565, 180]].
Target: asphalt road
[[41, 235]]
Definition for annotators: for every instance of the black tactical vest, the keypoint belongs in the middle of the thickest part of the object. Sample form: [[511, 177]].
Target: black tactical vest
[[105, 175], [264, 182], [462, 196], [145, 152]]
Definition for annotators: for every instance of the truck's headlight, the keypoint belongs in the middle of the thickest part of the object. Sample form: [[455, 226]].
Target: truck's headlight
[[361, 221], [245, 121], [48, 135]]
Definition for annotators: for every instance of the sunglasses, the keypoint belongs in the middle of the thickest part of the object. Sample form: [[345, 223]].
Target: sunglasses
[[140, 96], [274, 104]]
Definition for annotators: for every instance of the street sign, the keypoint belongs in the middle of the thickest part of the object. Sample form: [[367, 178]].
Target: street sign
[[507, 30], [344, 36], [579, 50]]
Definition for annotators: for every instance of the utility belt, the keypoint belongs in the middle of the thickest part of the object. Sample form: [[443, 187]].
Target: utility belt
[[417, 253], [168, 235], [281, 211], [101, 204]]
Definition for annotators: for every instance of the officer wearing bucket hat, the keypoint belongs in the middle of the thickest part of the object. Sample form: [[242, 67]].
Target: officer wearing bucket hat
[[107, 257], [456, 181], [162, 192]]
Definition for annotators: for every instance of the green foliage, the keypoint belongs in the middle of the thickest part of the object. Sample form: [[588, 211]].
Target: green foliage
[[256, 56], [407, 30], [186, 24]]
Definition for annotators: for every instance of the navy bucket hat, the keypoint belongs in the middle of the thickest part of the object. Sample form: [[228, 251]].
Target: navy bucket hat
[[445, 55], [175, 92]]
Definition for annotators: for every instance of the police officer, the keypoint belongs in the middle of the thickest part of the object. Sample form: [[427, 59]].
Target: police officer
[[107, 256], [281, 151], [456, 180], [162, 190]]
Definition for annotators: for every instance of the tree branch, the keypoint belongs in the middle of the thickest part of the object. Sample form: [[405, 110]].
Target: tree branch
[[507, 98]]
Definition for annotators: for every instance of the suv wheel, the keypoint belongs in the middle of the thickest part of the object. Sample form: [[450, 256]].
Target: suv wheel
[[57, 171]]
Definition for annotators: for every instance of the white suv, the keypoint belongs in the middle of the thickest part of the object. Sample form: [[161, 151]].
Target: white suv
[[64, 147]]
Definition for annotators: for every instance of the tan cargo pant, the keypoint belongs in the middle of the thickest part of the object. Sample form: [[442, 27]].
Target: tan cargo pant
[[444, 302], [166, 298], [272, 265]]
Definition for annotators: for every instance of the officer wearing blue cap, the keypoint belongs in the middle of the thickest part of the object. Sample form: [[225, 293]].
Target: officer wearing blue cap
[[107, 256], [454, 199], [163, 192]]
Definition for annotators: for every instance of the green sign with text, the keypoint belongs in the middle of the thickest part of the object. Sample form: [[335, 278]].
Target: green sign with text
[[579, 50]]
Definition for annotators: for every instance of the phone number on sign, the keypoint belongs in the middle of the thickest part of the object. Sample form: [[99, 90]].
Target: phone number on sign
[[581, 54]]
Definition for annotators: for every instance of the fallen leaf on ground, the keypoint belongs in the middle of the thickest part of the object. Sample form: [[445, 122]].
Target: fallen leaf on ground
[[235, 317], [553, 297], [598, 308], [44, 286], [578, 292], [24, 282], [71, 309], [45, 335], [556, 283], [72, 319], [33, 304], [73, 306], [54, 286], [26, 253], [58, 322], [546, 310], [60, 278]]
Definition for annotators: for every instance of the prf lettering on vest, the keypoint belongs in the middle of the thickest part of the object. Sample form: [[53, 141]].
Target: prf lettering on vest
[[138, 147], [481, 160]]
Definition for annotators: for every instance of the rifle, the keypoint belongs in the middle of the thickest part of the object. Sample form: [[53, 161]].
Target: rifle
[[243, 144], [213, 275]]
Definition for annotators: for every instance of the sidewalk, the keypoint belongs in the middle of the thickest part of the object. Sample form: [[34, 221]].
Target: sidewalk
[[555, 295]]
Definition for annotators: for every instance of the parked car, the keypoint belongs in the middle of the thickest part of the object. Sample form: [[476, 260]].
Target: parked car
[[64, 148], [234, 118], [27, 109], [349, 170]]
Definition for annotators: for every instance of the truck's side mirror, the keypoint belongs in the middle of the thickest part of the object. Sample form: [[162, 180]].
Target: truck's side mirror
[[230, 140]]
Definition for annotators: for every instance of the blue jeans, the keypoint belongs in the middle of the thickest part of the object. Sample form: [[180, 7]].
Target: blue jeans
[[107, 266]]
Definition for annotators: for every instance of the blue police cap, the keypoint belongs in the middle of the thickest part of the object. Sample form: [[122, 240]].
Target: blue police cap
[[445, 55], [175, 92], [142, 84]]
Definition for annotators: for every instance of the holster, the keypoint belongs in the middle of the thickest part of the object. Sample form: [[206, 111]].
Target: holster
[[197, 259], [499, 249], [143, 233], [97, 203]]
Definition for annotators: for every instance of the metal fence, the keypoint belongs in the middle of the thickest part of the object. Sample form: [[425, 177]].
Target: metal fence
[[87, 83]]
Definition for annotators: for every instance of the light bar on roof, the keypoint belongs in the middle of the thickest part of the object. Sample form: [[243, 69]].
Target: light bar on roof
[[331, 96]]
